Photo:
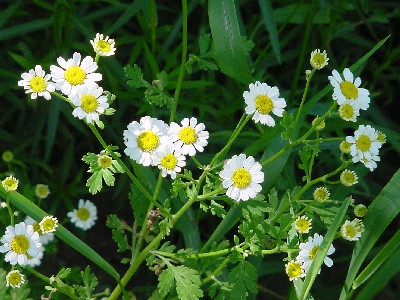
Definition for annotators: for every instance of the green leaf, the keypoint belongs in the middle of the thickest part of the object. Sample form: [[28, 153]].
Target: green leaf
[[379, 259], [186, 280], [381, 213], [323, 250], [118, 227], [270, 25], [243, 280], [228, 45], [90, 282], [95, 182], [135, 77]]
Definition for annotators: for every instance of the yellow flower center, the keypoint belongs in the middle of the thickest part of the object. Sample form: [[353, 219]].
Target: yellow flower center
[[349, 90], [75, 75], [381, 137], [10, 184], [187, 135], [20, 244], [42, 191], [104, 161], [83, 214], [38, 84], [348, 177], [103, 46], [148, 141], [302, 225], [89, 103], [363, 143], [346, 111], [318, 59], [36, 227], [350, 231], [313, 252], [320, 194], [169, 161], [48, 225], [345, 147], [264, 104], [294, 270], [241, 178], [14, 278]]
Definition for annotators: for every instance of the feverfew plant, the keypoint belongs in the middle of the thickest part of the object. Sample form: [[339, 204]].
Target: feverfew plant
[[172, 170]]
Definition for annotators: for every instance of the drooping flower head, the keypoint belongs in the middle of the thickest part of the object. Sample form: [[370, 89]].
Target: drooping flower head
[[170, 161], [143, 139], [73, 73], [89, 101], [85, 216], [349, 89], [18, 242], [37, 83], [318, 59], [309, 249], [365, 146], [190, 137], [262, 100], [103, 46], [242, 177]]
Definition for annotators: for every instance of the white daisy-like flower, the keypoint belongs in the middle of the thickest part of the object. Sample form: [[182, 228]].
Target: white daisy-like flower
[[45, 238], [144, 139], [303, 224], [85, 216], [73, 73], [18, 242], [321, 194], [349, 89], [318, 59], [242, 177], [89, 101], [14, 279], [360, 210], [294, 270], [10, 183], [348, 178], [351, 230], [349, 111], [42, 191], [170, 161], [37, 260], [309, 249], [37, 83], [190, 137], [103, 46], [261, 99], [48, 224], [365, 146]]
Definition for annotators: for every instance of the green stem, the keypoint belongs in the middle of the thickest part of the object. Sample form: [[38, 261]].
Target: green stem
[[48, 281], [216, 271], [10, 210], [242, 122], [183, 60]]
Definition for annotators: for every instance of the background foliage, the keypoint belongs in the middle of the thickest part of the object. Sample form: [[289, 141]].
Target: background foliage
[[49, 142]]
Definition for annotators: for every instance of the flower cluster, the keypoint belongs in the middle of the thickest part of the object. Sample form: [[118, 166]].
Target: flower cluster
[[76, 78], [152, 142]]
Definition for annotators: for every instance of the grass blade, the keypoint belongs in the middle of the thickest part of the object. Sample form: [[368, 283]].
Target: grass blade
[[323, 249], [269, 22], [380, 214], [29, 208], [227, 41]]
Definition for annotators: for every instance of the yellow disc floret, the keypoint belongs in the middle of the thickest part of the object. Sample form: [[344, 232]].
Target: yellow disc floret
[[363, 143], [20, 244], [169, 161], [148, 141], [75, 75], [188, 135], [103, 46], [349, 90], [83, 214], [241, 178], [264, 104], [89, 103], [37, 84]]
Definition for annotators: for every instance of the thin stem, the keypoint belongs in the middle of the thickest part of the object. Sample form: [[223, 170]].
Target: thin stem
[[10, 210], [183, 60]]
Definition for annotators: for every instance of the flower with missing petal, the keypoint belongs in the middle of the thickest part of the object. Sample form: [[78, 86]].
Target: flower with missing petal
[[37, 83]]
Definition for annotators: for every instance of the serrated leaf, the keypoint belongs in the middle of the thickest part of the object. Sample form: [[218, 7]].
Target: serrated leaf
[[166, 282], [135, 76], [217, 209], [243, 280], [118, 234], [90, 282], [95, 182], [108, 177]]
